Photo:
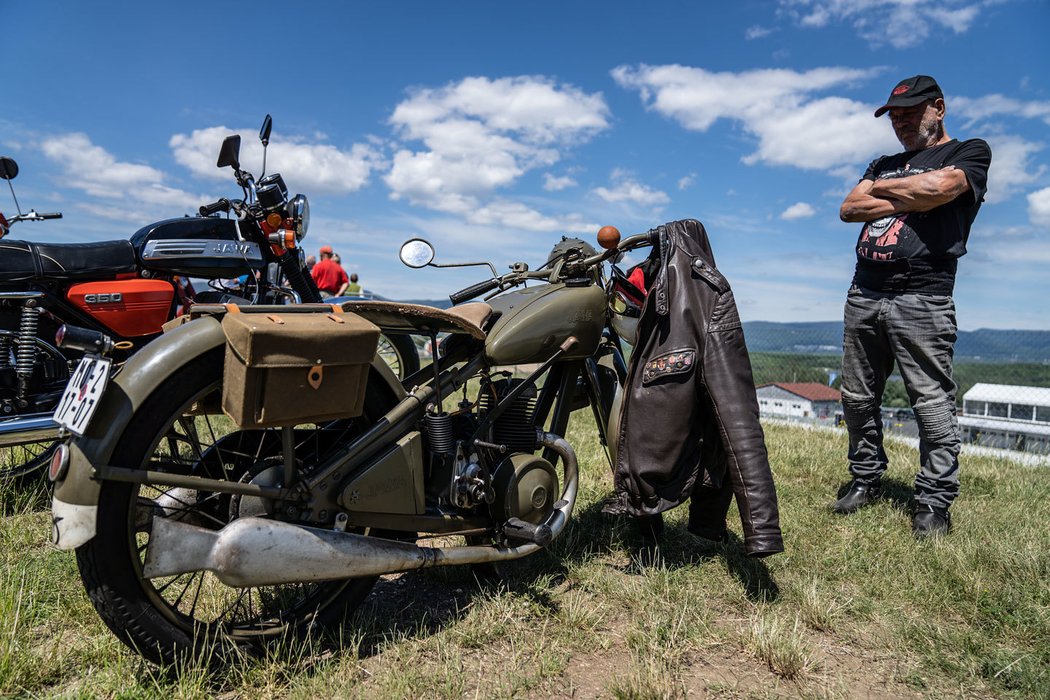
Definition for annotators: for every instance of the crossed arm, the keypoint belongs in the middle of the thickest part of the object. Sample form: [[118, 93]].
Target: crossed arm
[[874, 199]]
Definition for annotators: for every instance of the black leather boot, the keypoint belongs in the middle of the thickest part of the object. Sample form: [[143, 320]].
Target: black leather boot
[[930, 521], [859, 494]]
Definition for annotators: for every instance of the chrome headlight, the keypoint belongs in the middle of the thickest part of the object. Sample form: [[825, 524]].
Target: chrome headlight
[[300, 215], [624, 315]]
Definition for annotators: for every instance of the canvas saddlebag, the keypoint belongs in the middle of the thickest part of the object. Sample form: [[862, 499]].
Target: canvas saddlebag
[[289, 368]]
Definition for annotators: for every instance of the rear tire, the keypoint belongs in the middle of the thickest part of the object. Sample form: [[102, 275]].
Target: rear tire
[[28, 462], [193, 615]]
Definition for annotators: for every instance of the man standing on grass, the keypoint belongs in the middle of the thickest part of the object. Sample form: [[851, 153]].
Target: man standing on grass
[[917, 208]]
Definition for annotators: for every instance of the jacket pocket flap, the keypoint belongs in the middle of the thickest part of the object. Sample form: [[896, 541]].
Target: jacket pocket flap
[[709, 274], [674, 362]]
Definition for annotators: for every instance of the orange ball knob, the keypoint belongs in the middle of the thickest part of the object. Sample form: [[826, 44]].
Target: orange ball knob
[[608, 237]]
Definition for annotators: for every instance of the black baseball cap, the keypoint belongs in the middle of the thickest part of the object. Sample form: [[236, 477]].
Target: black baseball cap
[[910, 92]]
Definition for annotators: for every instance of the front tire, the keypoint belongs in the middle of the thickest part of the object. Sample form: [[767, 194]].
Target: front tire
[[400, 354], [194, 615]]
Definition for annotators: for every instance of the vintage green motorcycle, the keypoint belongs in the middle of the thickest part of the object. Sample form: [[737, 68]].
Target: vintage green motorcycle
[[195, 532]]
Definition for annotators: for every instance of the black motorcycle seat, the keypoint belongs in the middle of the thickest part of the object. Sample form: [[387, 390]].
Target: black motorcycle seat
[[26, 260]]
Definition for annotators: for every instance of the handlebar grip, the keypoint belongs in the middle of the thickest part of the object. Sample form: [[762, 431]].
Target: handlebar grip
[[214, 207], [474, 290], [51, 215]]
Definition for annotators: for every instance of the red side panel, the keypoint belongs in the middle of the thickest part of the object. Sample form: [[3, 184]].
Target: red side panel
[[128, 308]]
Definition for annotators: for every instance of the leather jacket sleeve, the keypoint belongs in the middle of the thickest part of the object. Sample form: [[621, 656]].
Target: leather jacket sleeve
[[730, 390]]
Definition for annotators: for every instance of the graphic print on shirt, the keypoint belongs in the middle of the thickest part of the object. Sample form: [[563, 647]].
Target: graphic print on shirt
[[888, 238]]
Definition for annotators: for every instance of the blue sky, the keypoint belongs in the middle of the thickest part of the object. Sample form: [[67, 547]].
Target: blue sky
[[493, 128]]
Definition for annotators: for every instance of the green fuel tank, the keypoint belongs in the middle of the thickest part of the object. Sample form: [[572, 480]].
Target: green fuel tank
[[533, 322]]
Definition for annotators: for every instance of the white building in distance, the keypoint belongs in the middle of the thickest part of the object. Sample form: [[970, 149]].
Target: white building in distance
[[798, 400], [1007, 416]]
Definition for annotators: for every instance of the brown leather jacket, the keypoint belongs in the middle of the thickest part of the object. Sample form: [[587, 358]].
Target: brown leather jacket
[[689, 426]]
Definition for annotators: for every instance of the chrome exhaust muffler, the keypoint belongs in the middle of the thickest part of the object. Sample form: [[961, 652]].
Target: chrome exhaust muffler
[[261, 552], [32, 427]]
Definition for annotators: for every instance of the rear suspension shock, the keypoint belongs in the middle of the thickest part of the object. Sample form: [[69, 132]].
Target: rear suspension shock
[[25, 357]]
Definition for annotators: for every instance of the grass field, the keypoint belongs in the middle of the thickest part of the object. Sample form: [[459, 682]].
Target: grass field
[[854, 608]]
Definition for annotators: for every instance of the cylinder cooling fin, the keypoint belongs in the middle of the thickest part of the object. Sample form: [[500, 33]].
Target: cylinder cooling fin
[[514, 427]]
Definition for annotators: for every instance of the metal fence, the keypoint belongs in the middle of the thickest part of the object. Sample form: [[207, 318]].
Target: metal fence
[[1003, 379]]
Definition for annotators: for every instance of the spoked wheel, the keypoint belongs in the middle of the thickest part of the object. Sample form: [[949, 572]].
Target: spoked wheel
[[193, 615], [22, 464], [399, 353]]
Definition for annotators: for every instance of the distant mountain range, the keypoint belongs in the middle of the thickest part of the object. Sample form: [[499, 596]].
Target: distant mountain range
[[983, 344]]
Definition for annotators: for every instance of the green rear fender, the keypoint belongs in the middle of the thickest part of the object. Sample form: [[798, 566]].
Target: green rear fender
[[140, 376], [137, 380]]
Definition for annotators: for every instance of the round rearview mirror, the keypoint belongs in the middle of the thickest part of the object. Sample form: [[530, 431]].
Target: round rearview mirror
[[417, 252], [264, 132], [8, 168]]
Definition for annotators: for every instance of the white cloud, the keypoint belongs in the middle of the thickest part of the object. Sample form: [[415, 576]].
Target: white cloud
[[306, 167], [801, 210], [686, 181], [899, 23], [1011, 169], [1039, 208], [480, 135], [757, 32], [96, 172], [503, 212], [556, 184], [775, 106], [627, 190], [975, 110]]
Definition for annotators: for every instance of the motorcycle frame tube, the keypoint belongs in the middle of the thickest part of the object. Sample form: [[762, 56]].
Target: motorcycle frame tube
[[399, 419]]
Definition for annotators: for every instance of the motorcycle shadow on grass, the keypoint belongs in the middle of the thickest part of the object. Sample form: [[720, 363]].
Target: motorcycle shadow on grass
[[422, 603], [677, 548]]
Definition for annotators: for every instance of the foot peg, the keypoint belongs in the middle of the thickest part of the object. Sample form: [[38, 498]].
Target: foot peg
[[520, 530]]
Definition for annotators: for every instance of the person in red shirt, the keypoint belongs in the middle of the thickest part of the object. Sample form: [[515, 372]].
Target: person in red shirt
[[328, 275]]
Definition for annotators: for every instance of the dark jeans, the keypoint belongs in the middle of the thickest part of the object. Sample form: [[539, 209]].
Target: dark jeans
[[917, 331]]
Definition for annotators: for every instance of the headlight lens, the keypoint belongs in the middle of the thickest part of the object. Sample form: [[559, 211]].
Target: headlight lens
[[300, 210]]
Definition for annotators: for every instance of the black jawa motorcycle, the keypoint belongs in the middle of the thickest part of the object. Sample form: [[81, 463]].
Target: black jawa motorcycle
[[212, 503], [118, 294]]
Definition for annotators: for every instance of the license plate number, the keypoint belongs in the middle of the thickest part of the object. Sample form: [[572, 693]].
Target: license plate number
[[82, 394]]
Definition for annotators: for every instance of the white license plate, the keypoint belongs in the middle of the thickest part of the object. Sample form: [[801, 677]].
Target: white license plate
[[82, 394]]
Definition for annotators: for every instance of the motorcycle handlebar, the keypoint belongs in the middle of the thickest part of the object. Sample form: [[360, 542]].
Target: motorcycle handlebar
[[474, 290], [215, 207], [36, 216], [639, 240], [651, 237]]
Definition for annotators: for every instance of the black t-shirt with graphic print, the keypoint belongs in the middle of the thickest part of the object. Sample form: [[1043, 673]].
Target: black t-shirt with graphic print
[[918, 251]]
